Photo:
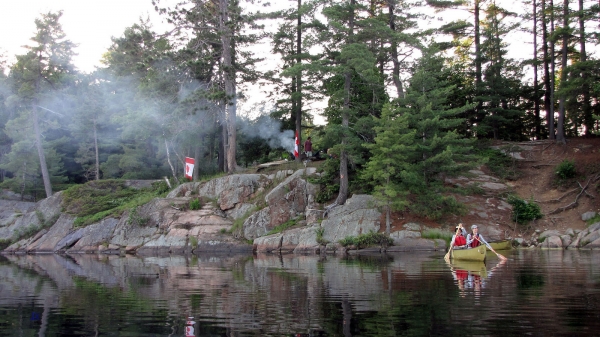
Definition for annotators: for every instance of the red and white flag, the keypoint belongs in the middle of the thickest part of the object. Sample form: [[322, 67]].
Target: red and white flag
[[189, 167], [296, 146]]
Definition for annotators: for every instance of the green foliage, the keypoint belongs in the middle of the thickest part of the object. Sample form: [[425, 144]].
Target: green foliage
[[195, 204], [498, 162], [434, 205], [524, 211], [593, 220], [328, 186], [566, 169], [320, 240], [193, 242], [367, 240], [136, 219], [417, 146], [278, 229], [433, 234], [96, 200], [347, 241]]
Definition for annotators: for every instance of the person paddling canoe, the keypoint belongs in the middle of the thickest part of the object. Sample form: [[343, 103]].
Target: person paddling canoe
[[459, 240], [475, 239]]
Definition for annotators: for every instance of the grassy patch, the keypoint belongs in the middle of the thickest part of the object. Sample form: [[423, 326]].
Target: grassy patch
[[96, 200], [433, 234], [283, 226], [593, 220]]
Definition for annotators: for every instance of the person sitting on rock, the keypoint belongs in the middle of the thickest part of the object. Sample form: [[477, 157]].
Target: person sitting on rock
[[459, 238]]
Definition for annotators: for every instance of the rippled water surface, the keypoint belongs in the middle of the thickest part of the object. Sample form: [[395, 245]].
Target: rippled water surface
[[535, 293]]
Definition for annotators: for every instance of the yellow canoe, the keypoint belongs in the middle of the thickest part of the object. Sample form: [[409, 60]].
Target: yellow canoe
[[471, 254], [501, 245]]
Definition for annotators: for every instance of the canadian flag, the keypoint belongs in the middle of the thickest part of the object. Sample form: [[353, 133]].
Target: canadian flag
[[189, 167], [296, 145]]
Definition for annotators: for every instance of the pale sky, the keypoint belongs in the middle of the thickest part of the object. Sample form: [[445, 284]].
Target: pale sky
[[89, 23]]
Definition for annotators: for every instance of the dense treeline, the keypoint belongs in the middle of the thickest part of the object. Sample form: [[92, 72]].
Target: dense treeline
[[404, 100]]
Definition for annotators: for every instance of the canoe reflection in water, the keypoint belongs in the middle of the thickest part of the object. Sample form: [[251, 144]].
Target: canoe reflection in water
[[471, 276]]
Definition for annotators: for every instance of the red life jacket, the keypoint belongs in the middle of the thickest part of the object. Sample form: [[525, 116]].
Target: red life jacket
[[460, 241], [462, 274], [475, 242]]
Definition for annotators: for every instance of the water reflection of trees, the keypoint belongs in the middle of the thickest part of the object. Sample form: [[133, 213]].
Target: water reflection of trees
[[409, 294]]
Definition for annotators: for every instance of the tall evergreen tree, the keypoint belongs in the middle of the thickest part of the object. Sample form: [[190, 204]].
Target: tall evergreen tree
[[214, 34], [352, 65], [39, 75], [500, 91], [428, 148]]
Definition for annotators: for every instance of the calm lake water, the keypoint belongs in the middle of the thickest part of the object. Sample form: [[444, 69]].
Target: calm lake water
[[535, 293]]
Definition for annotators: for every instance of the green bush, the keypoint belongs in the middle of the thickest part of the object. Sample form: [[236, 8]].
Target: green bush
[[566, 169], [195, 204], [347, 241], [524, 211], [320, 231], [367, 240]]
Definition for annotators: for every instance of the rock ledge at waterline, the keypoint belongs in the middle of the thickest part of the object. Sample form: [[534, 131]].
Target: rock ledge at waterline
[[170, 229]]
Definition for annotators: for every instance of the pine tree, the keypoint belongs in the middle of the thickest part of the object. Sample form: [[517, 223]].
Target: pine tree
[[429, 149], [39, 75], [501, 89]]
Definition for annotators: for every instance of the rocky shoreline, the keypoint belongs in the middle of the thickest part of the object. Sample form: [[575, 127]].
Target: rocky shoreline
[[260, 202]]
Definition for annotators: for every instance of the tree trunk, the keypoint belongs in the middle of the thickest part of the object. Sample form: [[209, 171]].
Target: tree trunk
[[343, 194], [560, 130], [547, 82], [536, 99], [588, 119], [478, 74], [96, 150], [169, 159], [230, 90], [394, 51], [23, 184], [40, 149], [222, 138], [551, 133], [299, 78]]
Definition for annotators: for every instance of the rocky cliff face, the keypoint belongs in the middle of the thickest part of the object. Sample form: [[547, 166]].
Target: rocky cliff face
[[261, 202]]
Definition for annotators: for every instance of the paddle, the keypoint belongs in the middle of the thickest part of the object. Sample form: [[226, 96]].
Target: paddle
[[500, 256], [447, 256]]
